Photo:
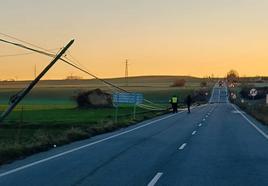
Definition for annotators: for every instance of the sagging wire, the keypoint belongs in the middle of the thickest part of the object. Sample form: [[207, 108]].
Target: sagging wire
[[22, 41], [75, 61], [24, 54], [67, 61], [157, 106]]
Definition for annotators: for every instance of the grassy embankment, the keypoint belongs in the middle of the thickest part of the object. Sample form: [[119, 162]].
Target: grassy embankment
[[256, 108], [49, 115]]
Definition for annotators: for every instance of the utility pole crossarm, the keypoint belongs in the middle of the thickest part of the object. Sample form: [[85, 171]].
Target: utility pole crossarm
[[22, 94]]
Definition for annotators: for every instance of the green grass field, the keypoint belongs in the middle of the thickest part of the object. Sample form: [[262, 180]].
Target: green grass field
[[49, 115]]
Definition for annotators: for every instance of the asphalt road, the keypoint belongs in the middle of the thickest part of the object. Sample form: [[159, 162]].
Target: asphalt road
[[215, 145]]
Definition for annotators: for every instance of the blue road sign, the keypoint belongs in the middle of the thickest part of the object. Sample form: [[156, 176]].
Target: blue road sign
[[131, 98]]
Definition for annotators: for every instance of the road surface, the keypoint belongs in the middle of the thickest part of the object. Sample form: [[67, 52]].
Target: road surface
[[215, 145]]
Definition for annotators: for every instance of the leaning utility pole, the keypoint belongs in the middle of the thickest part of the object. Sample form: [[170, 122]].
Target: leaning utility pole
[[126, 73], [17, 98]]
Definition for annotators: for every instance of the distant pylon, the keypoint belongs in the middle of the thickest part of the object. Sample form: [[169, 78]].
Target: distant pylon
[[126, 73]]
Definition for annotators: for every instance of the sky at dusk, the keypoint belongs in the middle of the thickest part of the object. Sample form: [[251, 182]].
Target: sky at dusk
[[158, 37]]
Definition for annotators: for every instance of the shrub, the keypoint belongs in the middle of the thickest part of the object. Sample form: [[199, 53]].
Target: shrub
[[203, 84], [200, 95], [94, 99], [179, 83]]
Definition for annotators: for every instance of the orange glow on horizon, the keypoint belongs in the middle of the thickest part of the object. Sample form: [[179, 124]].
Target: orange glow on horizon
[[158, 37]]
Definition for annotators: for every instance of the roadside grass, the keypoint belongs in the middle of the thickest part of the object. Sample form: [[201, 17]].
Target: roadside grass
[[49, 116], [256, 108], [18, 140]]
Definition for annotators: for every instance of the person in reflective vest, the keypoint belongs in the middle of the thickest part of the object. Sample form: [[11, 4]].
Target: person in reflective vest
[[174, 103]]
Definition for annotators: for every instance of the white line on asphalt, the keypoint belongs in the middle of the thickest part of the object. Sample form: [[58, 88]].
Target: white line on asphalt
[[219, 98], [212, 94], [155, 179], [204, 119], [194, 132], [200, 125], [82, 147], [182, 146], [251, 123]]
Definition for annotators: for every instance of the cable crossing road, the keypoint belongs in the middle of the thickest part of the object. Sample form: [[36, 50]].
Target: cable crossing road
[[216, 145]]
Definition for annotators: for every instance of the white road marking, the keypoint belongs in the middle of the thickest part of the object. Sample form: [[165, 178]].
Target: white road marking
[[251, 123], [82, 147], [155, 179], [182, 146], [204, 119], [200, 125], [194, 132], [237, 112], [219, 98], [212, 94]]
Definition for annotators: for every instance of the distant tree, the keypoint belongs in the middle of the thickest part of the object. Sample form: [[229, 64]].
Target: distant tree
[[232, 76], [179, 83]]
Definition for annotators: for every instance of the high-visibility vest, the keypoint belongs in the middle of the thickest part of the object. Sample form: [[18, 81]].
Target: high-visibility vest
[[174, 100]]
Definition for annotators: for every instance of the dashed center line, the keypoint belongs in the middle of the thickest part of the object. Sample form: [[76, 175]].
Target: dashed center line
[[194, 132], [155, 179], [200, 125], [182, 146]]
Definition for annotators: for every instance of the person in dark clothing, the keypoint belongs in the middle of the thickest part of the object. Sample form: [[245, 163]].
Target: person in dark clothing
[[174, 103], [189, 102]]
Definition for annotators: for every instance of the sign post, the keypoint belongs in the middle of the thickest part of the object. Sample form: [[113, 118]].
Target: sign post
[[127, 98], [253, 92]]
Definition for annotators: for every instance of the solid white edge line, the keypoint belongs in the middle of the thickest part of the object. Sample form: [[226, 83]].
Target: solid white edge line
[[83, 146], [155, 179], [182, 146], [251, 123]]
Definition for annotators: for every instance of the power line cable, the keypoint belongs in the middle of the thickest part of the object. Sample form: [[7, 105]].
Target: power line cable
[[22, 54], [19, 54], [67, 62], [81, 65], [22, 41]]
